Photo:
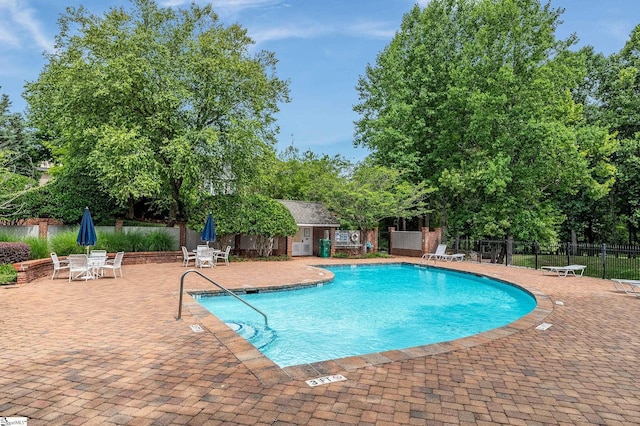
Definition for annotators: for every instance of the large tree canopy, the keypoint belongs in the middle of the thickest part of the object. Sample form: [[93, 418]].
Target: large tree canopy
[[156, 103], [474, 96], [618, 106], [19, 154]]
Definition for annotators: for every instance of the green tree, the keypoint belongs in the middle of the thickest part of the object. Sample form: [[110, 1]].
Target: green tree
[[373, 193], [159, 103], [474, 96], [252, 215], [302, 176], [18, 145], [18, 155], [618, 104]]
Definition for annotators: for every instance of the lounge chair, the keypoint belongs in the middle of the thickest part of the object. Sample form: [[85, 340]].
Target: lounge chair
[[628, 286], [441, 254], [563, 271], [223, 255], [186, 257], [58, 265]]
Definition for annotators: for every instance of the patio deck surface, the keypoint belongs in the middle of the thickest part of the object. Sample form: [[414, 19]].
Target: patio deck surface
[[112, 352]]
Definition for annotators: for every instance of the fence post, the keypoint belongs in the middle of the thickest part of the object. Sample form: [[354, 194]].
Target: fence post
[[479, 248], [509, 253], [604, 261], [535, 253], [569, 253]]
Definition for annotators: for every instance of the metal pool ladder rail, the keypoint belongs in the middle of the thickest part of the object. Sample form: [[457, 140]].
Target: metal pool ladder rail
[[226, 290]]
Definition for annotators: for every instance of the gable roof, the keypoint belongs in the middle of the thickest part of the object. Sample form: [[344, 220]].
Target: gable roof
[[310, 214]]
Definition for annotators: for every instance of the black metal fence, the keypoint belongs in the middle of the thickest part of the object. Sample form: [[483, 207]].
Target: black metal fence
[[602, 260]]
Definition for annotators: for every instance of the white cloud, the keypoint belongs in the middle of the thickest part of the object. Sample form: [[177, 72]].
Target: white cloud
[[226, 6], [373, 29], [20, 18], [289, 31], [370, 29]]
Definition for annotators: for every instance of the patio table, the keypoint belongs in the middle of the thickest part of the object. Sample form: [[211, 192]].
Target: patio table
[[95, 265]]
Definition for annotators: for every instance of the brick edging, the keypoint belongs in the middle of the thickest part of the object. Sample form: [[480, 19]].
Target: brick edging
[[33, 269]]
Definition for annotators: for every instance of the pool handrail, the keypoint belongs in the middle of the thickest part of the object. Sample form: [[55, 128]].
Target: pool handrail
[[219, 286]]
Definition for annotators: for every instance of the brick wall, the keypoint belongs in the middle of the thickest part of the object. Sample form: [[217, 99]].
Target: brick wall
[[34, 269]]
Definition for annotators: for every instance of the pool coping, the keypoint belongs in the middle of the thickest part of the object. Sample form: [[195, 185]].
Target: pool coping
[[269, 373]]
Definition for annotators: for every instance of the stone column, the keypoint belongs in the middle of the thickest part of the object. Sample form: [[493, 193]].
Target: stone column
[[43, 228]]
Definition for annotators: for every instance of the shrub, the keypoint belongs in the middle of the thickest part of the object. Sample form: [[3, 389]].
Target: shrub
[[133, 241], [65, 243], [7, 274], [112, 242], [6, 237], [159, 241], [39, 247], [13, 252]]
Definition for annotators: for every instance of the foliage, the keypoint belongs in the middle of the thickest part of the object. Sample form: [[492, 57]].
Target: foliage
[[66, 196], [18, 145], [39, 247], [12, 252], [8, 274], [247, 215], [153, 102], [18, 153], [159, 241], [129, 241], [616, 103], [65, 243], [373, 193], [474, 97], [302, 176]]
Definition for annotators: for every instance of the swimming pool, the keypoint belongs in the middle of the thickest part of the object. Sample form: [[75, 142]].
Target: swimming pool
[[371, 308]]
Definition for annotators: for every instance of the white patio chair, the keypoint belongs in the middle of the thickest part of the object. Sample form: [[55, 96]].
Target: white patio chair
[[79, 267], [186, 257], [115, 264], [223, 255], [98, 254], [58, 265], [204, 257]]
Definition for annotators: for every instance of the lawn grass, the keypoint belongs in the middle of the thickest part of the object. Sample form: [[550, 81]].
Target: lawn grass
[[625, 267]]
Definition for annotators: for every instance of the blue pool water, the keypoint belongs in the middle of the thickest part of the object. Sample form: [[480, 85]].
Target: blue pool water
[[371, 308]]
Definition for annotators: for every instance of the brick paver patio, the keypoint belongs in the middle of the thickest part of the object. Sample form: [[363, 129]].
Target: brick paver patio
[[112, 352]]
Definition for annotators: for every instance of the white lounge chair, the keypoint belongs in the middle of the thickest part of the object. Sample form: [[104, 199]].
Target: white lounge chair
[[58, 265], [115, 264], [628, 286], [223, 255], [441, 254], [563, 271], [186, 257]]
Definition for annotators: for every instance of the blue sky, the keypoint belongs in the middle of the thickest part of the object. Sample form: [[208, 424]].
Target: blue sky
[[323, 46]]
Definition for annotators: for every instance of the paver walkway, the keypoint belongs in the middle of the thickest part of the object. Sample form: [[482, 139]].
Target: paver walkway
[[112, 352]]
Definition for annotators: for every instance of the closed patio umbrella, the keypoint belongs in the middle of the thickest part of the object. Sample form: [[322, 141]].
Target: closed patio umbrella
[[209, 232], [87, 233]]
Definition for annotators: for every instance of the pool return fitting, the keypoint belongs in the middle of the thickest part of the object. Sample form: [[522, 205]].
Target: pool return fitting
[[226, 290]]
